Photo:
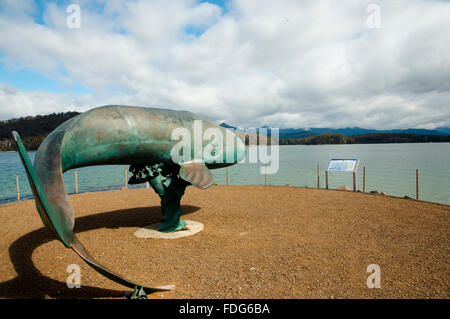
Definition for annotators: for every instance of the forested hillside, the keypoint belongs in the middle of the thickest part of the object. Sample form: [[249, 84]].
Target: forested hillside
[[32, 129], [329, 138]]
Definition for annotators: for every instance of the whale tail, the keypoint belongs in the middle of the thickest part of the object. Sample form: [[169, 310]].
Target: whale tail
[[49, 218], [58, 226]]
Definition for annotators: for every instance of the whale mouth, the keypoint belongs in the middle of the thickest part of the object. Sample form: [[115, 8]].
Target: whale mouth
[[218, 165], [234, 153]]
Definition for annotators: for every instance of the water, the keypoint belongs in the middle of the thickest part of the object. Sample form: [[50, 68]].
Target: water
[[390, 168]]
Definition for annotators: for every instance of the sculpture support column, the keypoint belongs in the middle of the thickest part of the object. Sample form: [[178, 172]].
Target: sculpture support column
[[169, 187], [170, 203]]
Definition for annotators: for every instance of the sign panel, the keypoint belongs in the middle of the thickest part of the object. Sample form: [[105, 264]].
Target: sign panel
[[343, 165]]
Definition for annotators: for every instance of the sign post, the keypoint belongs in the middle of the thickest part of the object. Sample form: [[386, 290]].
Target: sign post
[[344, 165]]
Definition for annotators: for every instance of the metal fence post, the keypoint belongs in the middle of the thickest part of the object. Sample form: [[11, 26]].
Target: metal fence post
[[318, 176], [76, 182], [265, 176], [417, 184], [18, 189]]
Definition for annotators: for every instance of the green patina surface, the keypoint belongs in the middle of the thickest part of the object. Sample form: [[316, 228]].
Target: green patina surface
[[140, 137], [170, 188], [49, 218]]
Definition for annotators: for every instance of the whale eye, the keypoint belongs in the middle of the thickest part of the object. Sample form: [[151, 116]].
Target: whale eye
[[213, 151]]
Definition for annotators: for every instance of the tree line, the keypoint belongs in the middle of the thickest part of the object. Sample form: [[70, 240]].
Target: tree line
[[34, 129], [373, 138]]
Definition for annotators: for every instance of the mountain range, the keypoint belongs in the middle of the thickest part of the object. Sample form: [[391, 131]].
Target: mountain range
[[34, 129], [292, 133]]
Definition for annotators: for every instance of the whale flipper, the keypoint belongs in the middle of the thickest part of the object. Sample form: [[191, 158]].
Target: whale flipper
[[197, 174], [58, 225]]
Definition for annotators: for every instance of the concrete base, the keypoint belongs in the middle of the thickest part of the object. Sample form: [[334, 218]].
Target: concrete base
[[151, 231]]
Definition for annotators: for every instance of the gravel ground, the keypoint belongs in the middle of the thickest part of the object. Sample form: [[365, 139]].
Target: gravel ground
[[258, 242]]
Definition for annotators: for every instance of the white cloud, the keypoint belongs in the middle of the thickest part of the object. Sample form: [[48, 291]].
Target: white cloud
[[279, 63], [17, 103]]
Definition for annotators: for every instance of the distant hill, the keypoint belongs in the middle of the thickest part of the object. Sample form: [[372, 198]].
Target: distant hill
[[373, 138], [357, 135], [34, 125], [443, 129], [298, 134], [228, 126], [32, 129], [283, 133], [350, 131]]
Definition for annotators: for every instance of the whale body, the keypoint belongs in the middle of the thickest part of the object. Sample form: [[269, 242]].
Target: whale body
[[116, 135]]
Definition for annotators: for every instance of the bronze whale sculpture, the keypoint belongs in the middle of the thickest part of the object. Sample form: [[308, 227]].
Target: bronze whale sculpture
[[136, 136]]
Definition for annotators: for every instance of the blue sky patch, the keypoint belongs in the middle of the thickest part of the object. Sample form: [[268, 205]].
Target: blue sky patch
[[31, 81], [24, 79]]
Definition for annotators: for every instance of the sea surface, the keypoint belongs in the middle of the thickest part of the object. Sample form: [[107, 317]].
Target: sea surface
[[390, 168]]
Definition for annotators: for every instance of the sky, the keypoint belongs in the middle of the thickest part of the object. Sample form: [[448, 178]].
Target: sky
[[249, 63]]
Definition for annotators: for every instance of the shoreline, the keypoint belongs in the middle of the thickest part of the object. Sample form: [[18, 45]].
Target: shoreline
[[256, 186], [253, 145]]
